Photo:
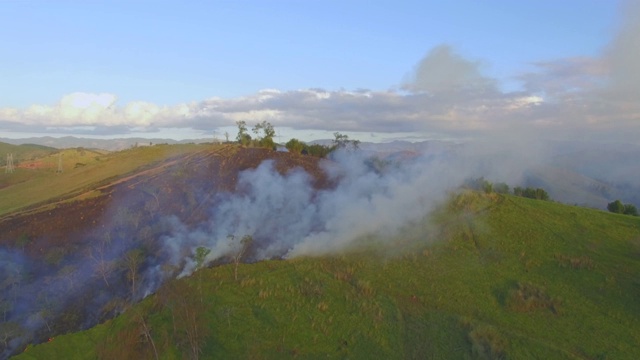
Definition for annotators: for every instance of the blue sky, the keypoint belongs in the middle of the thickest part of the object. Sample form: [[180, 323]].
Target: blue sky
[[157, 57]]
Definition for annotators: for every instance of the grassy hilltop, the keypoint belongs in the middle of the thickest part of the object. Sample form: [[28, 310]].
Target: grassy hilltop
[[486, 276]]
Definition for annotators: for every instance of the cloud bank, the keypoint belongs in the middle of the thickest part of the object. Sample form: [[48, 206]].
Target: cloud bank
[[592, 98]]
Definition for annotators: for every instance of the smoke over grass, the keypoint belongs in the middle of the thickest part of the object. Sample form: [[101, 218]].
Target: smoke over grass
[[287, 217], [154, 226]]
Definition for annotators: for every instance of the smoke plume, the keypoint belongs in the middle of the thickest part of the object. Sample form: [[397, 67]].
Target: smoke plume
[[287, 217]]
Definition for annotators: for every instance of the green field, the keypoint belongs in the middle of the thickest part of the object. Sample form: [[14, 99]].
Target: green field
[[486, 276], [82, 170], [23, 152]]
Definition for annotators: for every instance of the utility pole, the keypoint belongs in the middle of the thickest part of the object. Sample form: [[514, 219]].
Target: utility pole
[[9, 168], [59, 171]]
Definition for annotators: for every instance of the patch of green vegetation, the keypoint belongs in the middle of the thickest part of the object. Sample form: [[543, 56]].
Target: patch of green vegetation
[[488, 276]]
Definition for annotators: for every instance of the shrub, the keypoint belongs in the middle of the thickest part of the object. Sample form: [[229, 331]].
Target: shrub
[[531, 193], [630, 209], [501, 188], [618, 207], [295, 146], [529, 297], [487, 343]]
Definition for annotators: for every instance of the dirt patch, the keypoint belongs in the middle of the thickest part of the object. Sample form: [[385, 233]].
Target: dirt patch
[[39, 164]]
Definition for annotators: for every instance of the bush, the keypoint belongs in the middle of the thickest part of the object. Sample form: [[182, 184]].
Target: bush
[[501, 188], [487, 343], [318, 150], [618, 207], [529, 297], [531, 193], [480, 184], [295, 146], [630, 209]]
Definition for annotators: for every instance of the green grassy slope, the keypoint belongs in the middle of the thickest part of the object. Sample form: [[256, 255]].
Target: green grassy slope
[[23, 152], [485, 277], [81, 168]]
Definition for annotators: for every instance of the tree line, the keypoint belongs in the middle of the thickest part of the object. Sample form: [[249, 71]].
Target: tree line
[[264, 133], [482, 184], [619, 208]]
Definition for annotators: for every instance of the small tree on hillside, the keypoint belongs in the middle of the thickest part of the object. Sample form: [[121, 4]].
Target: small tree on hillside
[[616, 207], [243, 137], [480, 184], [630, 209], [318, 150], [342, 141], [245, 243], [131, 263], [531, 193], [190, 325], [9, 330], [201, 255], [268, 133], [501, 188], [541, 194], [295, 146], [619, 208]]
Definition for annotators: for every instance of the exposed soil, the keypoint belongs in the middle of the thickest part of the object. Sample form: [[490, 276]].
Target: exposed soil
[[173, 182]]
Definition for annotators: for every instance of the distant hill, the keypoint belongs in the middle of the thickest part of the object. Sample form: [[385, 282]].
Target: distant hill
[[104, 144], [23, 152]]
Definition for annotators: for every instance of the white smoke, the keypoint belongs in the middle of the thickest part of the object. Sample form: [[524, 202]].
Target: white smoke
[[287, 217]]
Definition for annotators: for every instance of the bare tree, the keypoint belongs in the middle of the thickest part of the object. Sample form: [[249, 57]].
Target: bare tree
[[152, 191], [342, 141], [68, 272], [10, 285], [97, 253], [47, 308], [131, 262], [244, 245], [8, 331], [189, 323], [146, 332], [103, 267], [201, 254]]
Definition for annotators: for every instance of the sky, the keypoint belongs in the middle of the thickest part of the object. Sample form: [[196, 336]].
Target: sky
[[376, 70]]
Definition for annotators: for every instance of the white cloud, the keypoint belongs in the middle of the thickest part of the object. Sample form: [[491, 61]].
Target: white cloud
[[579, 97]]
